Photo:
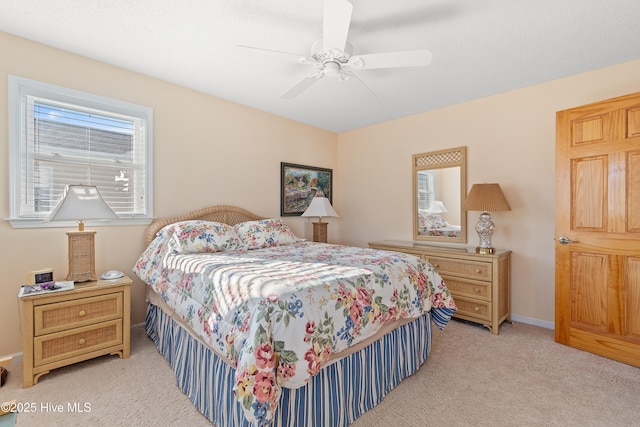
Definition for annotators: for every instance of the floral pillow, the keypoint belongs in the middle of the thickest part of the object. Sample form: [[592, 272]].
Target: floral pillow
[[431, 221], [265, 233], [202, 236]]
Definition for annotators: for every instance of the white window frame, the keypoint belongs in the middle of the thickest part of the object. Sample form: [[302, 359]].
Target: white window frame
[[19, 88], [426, 192]]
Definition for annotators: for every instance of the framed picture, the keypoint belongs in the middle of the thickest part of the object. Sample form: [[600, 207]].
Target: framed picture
[[299, 184]]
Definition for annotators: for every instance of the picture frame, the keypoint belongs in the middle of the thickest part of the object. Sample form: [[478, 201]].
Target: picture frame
[[299, 184]]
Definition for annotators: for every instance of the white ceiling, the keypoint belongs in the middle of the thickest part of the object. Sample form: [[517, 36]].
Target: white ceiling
[[479, 47]]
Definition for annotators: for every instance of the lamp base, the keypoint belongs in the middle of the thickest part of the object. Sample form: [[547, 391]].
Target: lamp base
[[485, 228], [485, 251], [320, 232], [82, 259]]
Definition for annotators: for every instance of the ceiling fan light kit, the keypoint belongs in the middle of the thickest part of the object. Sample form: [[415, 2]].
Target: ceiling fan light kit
[[333, 54]]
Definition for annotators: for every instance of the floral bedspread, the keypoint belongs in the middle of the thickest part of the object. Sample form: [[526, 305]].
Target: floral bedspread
[[279, 312]]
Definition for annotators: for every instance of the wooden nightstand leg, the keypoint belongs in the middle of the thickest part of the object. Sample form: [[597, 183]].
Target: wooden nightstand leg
[[126, 323], [27, 379], [27, 344], [37, 376]]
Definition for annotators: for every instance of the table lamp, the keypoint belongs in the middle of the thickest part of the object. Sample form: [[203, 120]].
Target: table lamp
[[436, 208], [81, 203], [485, 198], [320, 207]]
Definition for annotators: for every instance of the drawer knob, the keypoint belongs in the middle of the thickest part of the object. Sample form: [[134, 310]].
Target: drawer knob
[[476, 290], [81, 341], [436, 265], [476, 308], [478, 271], [82, 313]]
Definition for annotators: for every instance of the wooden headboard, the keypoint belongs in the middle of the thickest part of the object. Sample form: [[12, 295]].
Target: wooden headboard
[[227, 214]]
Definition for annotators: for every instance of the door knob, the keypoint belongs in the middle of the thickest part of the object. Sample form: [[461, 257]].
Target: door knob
[[565, 240]]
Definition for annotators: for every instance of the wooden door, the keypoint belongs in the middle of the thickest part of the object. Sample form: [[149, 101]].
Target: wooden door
[[598, 212]]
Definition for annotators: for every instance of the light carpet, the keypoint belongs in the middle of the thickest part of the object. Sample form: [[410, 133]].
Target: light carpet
[[472, 378]]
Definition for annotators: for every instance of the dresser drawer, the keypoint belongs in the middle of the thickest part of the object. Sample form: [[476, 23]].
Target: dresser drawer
[[63, 345], [461, 268], [479, 282], [60, 316], [473, 308], [469, 288]]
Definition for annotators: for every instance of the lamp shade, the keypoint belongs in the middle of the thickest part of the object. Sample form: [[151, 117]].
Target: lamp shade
[[437, 207], [486, 198], [320, 206], [81, 203]]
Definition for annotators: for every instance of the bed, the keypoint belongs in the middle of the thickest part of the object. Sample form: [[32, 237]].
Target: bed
[[264, 328], [435, 225]]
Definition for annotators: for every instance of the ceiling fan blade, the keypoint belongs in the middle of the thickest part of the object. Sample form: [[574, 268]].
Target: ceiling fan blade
[[302, 85], [335, 24], [410, 58], [269, 50]]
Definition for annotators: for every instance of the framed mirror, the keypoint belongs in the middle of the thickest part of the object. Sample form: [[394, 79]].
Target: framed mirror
[[439, 189]]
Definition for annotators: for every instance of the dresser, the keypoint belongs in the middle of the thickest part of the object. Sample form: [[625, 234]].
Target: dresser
[[480, 283], [61, 328]]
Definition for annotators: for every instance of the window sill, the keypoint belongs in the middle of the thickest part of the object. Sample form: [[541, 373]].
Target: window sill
[[40, 223]]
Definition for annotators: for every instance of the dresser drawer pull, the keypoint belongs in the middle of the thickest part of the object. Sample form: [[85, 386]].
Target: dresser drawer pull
[[476, 308], [81, 341], [82, 313], [476, 290], [478, 271], [436, 265]]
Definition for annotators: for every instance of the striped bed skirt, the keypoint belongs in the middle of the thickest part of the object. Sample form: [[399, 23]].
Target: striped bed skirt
[[336, 396]]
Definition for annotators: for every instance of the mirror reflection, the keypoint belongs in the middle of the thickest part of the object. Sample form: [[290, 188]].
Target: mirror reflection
[[439, 190]]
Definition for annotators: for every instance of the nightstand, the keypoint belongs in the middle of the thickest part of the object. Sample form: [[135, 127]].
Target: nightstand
[[61, 328]]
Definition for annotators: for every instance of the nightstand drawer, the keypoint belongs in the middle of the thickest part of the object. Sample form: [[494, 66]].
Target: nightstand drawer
[[473, 308], [462, 268], [469, 288], [61, 316], [63, 345], [61, 328]]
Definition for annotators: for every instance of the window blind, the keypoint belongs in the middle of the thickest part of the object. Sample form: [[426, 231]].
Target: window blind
[[425, 190], [70, 144]]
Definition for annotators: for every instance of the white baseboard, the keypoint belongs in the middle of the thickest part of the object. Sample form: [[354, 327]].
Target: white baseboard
[[531, 321], [14, 357]]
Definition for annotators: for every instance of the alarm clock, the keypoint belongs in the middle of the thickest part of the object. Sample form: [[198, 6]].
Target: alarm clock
[[39, 276]]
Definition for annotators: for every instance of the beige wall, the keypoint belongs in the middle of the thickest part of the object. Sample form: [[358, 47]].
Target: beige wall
[[510, 139], [210, 151], [206, 151]]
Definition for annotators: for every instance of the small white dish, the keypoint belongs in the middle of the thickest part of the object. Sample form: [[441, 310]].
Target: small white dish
[[111, 275]]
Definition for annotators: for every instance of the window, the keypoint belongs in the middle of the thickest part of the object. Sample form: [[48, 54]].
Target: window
[[59, 136], [425, 190]]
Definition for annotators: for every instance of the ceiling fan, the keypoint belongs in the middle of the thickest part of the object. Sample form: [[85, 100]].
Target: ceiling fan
[[332, 55]]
